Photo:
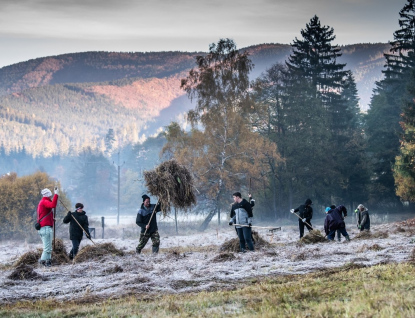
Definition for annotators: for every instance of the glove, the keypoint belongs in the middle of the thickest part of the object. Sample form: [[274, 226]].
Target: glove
[[56, 191], [304, 220], [230, 223], [358, 226], [355, 211], [292, 210], [249, 224], [69, 213]]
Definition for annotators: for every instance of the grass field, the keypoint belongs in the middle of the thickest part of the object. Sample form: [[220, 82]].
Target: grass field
[[350, 291]]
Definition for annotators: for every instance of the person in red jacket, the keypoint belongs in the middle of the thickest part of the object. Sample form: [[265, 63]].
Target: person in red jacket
[[45, 217]]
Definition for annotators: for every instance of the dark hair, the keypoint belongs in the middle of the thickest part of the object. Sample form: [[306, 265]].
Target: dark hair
[[79, 205], [237, 194], [145, 197], [332, 206]]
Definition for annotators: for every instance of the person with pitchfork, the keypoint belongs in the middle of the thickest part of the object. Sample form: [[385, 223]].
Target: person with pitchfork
[[241, 216], [46, 220], [78, 223], [305, 215], [148, 223]]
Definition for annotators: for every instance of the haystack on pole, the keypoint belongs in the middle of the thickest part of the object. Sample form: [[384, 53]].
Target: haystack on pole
[[172, 183]]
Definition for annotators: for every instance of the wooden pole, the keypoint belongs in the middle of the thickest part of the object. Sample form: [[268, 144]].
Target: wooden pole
[[151, 217]]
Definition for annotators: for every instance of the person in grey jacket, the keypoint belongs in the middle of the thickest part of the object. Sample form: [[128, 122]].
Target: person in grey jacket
[[363, 219], [241, 216]]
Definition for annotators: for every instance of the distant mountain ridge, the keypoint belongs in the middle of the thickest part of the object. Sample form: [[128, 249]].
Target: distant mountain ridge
[[59, 104]]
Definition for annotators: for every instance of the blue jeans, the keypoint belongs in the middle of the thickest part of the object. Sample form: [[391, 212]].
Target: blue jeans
[[46, 234], [331, 234], [75, 247], [245, 236]]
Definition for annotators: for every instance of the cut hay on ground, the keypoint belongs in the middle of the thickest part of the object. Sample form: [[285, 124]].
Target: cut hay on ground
[[23, 272], [59, 256], [94, 252], [172, 184], [312, 237], [233, 244], [223, 257], [364, 235]]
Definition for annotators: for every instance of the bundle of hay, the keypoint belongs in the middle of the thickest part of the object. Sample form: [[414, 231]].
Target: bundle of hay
[[312, 237], [233, 244], [97, 251], [59, 255], [29, 258], [24, 271], [368, 235], [172, 184]]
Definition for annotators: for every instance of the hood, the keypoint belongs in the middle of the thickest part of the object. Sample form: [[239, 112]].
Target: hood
[[308, 202]]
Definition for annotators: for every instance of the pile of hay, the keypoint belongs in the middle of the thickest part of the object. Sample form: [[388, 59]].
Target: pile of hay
[[97, 251], [233, 244], [368, 235], [59, 255], [312, 237], [172, 184], [23, 272]]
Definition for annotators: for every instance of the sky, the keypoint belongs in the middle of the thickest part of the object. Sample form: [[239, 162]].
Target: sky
[[37, 28]]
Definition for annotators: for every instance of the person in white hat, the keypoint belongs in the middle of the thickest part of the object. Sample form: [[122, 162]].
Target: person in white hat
[[45, 219]]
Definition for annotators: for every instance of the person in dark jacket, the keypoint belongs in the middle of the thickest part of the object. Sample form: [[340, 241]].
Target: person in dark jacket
[[343, 214], [75, 231], [143, 221], [306, 214], [363, 219], [334, 222], [241, 216]]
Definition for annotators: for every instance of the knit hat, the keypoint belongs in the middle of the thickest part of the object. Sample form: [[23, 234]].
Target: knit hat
[[145, 197], [328, 209], [46, 192]]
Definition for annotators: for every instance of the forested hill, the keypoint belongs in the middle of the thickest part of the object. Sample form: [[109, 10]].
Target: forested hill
[[59, 104]]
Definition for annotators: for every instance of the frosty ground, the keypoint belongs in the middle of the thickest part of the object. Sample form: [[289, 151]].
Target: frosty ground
[[190, 263]]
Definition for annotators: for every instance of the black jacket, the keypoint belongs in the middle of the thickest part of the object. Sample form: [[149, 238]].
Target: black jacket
[[334, 219], [75, 231], [143, 217], [305, 211]]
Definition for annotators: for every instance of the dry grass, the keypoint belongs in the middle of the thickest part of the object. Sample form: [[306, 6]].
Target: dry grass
[[59, 256], [312, 237], [364, 235], [233, 244], [98, 251], [24, 272], [223, 257], [172, 184], [350, 291]]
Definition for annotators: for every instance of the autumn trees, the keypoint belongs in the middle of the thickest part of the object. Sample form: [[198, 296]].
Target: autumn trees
[[222, 150]]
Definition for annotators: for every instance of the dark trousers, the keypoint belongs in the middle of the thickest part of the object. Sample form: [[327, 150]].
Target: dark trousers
[[301, 225], [342, 230], [245, 237], [75, 247]]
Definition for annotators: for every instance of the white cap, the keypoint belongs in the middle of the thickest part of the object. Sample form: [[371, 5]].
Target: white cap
[[46, 192]]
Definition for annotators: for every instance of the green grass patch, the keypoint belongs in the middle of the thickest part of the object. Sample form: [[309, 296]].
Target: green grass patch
[[350, 291]]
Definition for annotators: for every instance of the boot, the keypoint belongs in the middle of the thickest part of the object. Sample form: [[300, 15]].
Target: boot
[[137, 251], [70, 256], [155, 249], [48, 263], [347, 238]]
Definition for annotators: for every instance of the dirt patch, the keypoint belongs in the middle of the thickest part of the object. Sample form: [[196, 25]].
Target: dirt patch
[[98, 251], [24, 272], [180, 284]]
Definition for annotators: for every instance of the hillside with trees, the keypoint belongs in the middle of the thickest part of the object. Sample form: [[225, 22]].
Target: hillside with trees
[[61, 104]]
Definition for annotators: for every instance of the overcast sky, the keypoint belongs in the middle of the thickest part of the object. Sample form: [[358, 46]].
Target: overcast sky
[[38, 28]]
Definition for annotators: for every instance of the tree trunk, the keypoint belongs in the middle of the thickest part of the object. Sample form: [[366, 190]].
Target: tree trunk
[[206, 222]]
